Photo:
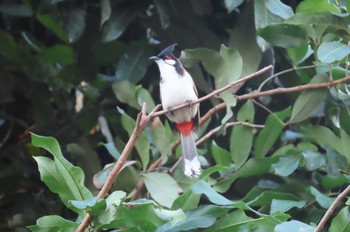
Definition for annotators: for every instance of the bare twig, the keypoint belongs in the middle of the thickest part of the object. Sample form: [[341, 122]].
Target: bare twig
[[268, 110], [331, 209], [141, 123]]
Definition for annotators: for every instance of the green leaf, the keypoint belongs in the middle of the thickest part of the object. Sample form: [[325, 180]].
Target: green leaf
[[201, 217], [162, 187], [201, 187], [317, 6], [231, 222], [313, 160], [186, 201], [161, 141], [60, 54], [270, 133], [53, 223], [93, 206], [230, 101], [280, 9], [266, 197], [295, 226], [125, 91], [278, 205], [286, 165], [300, 53], [308, 100], [284, 35], [74, 22], [341, 222], [329, 52], [325, 137], [323, 200], [59, 175], [221, 156], [242, 136], [232, 4], [142, 144], [133, 64], [116, 24], [52, 23], [225, 65]]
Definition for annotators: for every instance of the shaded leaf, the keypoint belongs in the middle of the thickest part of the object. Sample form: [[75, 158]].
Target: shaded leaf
[[321, 198], [186, 201], [201, 187], [133, 64], [221, 156], [300, 53], [162, 187], [284, 35], [19, 10], [116, 24], [308, 100], [163, 12], [52, 23], [61, 54], [313, 160], [230, 101]]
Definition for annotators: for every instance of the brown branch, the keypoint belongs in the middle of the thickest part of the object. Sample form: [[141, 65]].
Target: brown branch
[[292, 89], [141, 123], [217, 91], [331, 209]]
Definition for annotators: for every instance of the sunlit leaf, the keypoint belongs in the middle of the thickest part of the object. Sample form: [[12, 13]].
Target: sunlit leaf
[[295, 226], [278, 8], [317, 6]]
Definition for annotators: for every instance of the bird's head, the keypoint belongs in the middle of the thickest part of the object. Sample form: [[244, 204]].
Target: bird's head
[[167, 62]]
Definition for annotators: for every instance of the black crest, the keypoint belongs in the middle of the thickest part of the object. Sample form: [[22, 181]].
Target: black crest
[[167, 51]]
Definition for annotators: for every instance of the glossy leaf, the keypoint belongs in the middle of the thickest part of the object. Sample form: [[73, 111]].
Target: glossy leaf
[[313, 160], [284, 35], [186, 201], [59, 175], [308, 101], [341, 222], [93, 205], [221, 156], [299, 54], [53, 223], [51, 22], [321, 198], [232, 222], [162, 187], [201, 187], [270, 133], [329, 52]]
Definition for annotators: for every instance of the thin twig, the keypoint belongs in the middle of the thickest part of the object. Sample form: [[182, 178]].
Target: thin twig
[[268, 110], [331, 209], [292, 89]]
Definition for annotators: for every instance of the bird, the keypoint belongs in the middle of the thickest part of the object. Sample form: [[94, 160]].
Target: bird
[[176, 87]]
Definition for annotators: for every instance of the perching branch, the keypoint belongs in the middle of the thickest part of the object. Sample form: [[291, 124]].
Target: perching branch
[[331, 209]]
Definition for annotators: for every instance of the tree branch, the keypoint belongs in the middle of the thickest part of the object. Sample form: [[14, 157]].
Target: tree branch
[[331, 209], [141, 123]]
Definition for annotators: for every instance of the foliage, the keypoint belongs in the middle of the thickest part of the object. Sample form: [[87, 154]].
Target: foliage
[[67, 65]]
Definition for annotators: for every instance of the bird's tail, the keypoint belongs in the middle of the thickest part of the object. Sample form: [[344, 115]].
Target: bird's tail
[[191, 161]]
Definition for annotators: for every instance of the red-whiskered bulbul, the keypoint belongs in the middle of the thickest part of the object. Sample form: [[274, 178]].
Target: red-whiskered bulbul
[[177, 87]]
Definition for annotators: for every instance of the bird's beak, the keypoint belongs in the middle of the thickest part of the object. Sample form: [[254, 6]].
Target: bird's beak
[[154, 58]]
